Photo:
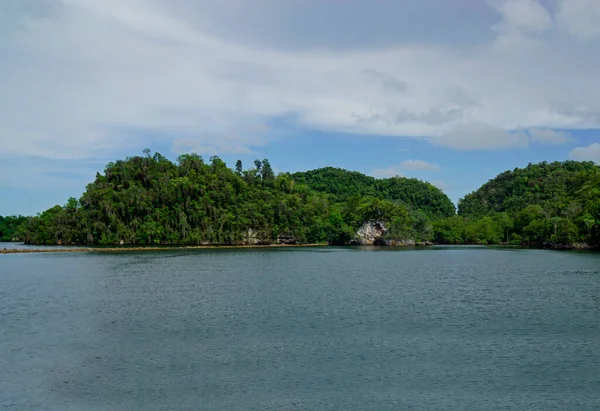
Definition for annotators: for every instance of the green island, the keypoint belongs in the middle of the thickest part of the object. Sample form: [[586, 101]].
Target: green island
[[149, 201]]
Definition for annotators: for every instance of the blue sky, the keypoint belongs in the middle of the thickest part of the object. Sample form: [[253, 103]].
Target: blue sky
[[449, 91]]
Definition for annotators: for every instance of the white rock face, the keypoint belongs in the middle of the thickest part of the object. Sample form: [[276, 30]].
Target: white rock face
[[252, 238], [371, 232]]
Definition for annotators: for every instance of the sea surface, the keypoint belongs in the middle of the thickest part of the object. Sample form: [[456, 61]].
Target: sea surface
[[442, 328]]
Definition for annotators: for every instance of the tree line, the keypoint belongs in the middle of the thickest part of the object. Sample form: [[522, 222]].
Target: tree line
[[148, 199], [9, 227], [551, 204]]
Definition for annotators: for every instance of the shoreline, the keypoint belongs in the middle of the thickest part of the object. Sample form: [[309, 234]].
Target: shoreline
[[74, 249], [112, 248]]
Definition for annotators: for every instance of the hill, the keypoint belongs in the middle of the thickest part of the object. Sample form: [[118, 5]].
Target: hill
[[553, 186], [554, 204], [148, 199], [341, 185]]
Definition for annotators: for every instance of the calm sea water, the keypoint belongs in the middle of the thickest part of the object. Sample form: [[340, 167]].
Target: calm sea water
[[468, 328]]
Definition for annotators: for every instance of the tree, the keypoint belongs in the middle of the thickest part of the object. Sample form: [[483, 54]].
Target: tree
[[505, 223], [266, 171], [450, 230]]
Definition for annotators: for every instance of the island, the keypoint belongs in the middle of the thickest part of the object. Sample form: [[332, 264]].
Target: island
[[148, 200]]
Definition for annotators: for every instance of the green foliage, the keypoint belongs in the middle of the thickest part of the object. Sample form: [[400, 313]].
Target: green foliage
[[546, 203], [9, 227], [551, 185], [460, 230], [406, 206], [342, 186], [450, 230], [148, 200], [151, 200]]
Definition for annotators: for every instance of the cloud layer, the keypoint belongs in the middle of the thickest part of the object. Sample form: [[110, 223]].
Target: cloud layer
[[406, 165], [83, 79], [589, 153], [418, 165]]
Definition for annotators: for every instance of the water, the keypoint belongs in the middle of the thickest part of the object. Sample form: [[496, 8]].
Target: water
[[301, 329]]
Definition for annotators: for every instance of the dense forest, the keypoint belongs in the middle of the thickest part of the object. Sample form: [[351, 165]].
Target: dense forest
[[9, 227], [341, 185], [148, 199], [552, 204]]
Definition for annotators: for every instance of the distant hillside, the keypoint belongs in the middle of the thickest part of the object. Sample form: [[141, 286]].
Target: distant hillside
[[551, 204], [554, 186], [340, 185]]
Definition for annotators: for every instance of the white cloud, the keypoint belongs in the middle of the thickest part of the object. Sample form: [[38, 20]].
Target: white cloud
[[589, 153], [398, 170], [419, 165], [481, 136], [547, 136], [442, 185], [580, 18], [88, 78], [393, 171], [523, 14], [181, 146]]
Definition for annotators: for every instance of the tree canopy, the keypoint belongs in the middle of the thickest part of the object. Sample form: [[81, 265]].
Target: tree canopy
[[150, 200], [340, 185], [555, 204], [553, 186], [9, 226]]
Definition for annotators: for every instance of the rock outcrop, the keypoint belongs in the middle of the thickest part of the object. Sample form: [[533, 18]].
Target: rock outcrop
[[374, 233], [371, 233], [252, 238]]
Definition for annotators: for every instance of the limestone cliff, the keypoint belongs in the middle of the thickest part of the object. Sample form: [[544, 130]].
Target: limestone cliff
[[371, 233], [376, 233]]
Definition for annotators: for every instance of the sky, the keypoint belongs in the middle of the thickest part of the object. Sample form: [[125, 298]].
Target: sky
[[449, 91]]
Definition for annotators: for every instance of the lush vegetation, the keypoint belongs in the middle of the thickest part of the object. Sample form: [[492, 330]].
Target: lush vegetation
[[341, 185], [553, 204], [9, 227], [150, 200]]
